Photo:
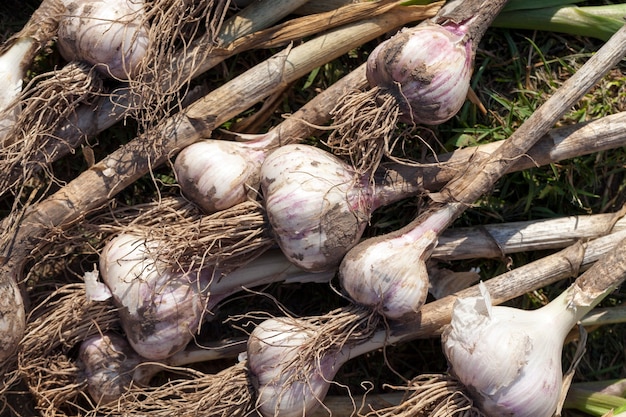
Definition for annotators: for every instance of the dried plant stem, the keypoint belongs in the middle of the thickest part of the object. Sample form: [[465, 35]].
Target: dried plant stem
[[316, 112], [135, 159], [557, 144], [548, 270], [496, 240]]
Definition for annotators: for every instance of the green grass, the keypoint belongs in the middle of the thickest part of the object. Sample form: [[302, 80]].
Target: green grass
[[515, 72]]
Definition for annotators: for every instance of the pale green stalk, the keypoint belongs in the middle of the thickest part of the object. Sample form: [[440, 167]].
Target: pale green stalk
[[593, 403], [591, 21]]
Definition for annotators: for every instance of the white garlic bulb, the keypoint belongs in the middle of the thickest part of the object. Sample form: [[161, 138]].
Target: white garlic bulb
[[315, 205], [218, 174], [288, 385], [389, 274], [112, 35], [160, 309], [508, 358]]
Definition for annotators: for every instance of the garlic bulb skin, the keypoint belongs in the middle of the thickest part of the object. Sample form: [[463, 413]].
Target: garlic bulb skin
[[316, 207], [427, 69], [160, 309], [218, 174], [111, 35], [389, 274], [509, 359], [285, 387], [107, 363]]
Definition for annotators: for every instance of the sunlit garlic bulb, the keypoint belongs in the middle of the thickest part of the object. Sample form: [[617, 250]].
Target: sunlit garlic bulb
[[508, 358], [389, 275], [218, 174], [316, 207], [160, 309]]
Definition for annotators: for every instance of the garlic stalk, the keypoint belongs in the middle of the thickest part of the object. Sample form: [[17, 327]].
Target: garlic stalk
[[110, 366], [510, 359], [162, 308], [112, 36]]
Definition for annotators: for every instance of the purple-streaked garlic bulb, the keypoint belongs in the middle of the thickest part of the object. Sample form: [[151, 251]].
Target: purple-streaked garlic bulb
[[427, 69], [111, 35], [317, 206], [218, 174], [160, 309]]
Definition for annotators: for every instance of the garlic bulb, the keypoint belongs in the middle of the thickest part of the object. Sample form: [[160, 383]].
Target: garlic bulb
[[107, 363], [389, 275], [427, 69], [508, 358], [112, 35], [287, 384], [217, 174], [316, 207]]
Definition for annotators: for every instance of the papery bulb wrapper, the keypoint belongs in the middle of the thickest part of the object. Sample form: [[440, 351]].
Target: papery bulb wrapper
[[427, 69], [315, 206]]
